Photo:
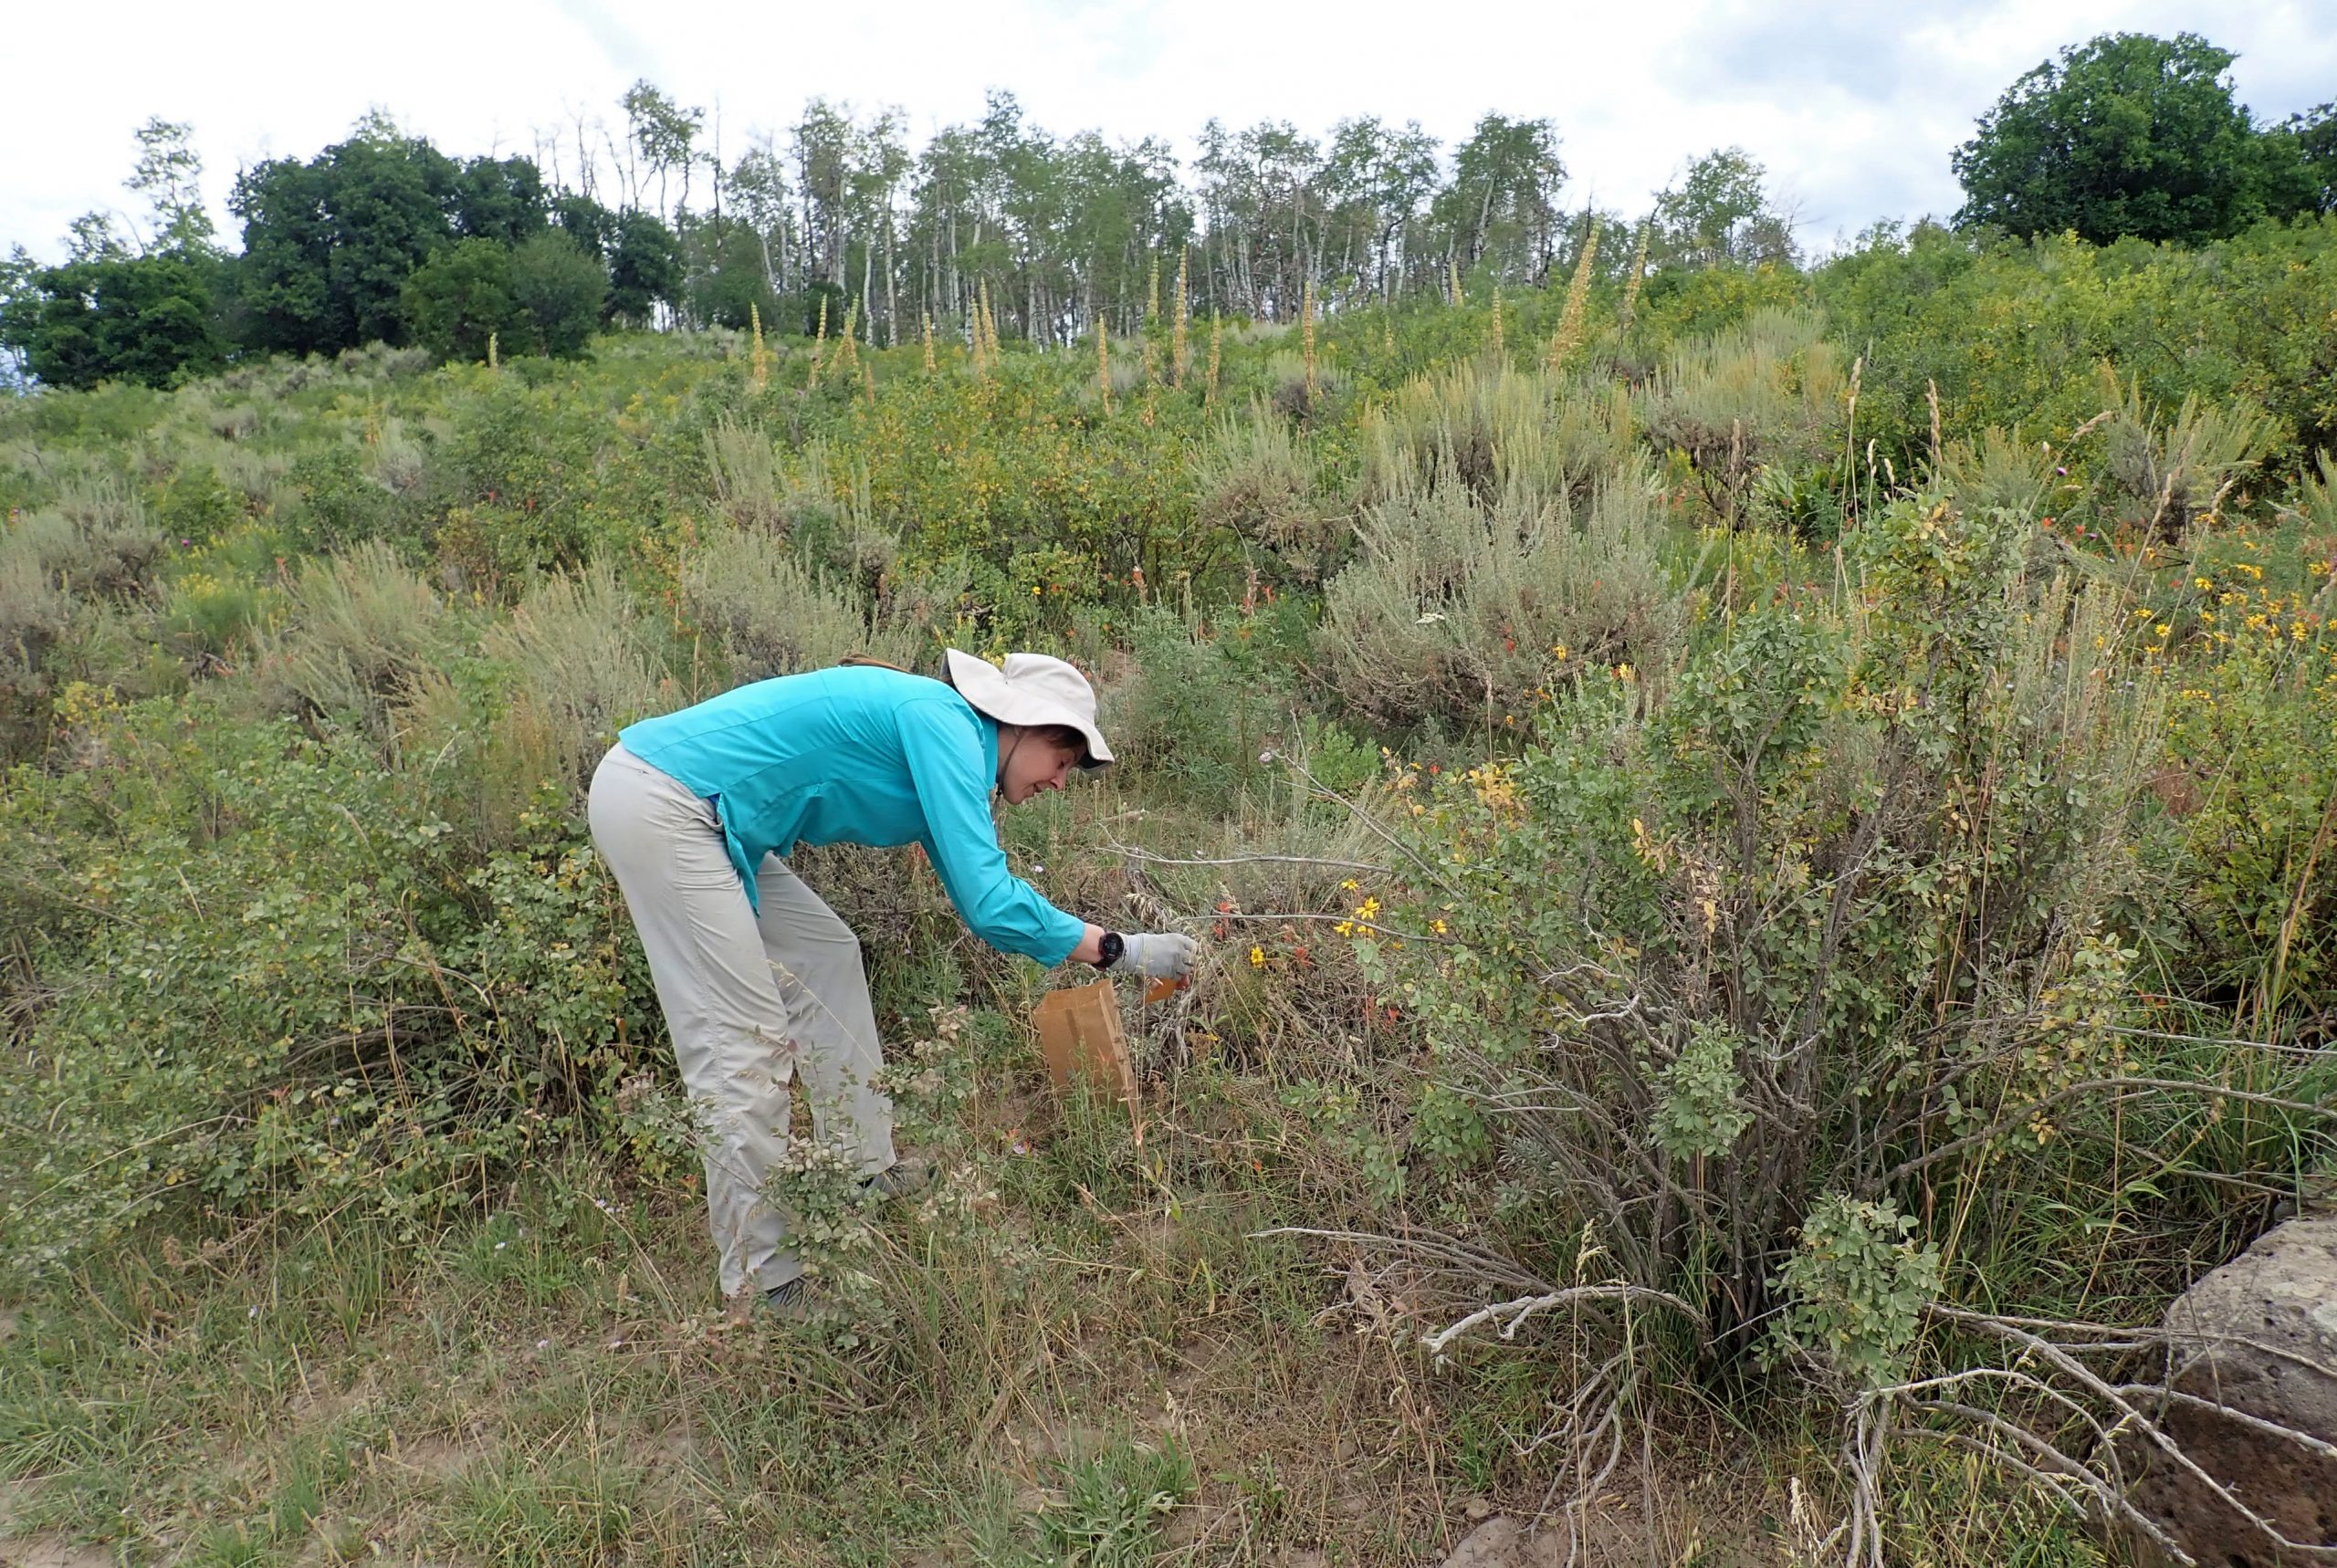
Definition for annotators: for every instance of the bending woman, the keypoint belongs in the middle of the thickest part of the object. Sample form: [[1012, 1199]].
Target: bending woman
[[696, 811]]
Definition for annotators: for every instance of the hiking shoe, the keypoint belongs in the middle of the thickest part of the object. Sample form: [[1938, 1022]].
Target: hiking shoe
[[793, 1302], [906, 1176]]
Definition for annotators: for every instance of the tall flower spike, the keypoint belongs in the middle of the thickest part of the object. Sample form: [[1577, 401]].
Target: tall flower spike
[[1306, 337], [1216, 343], [1176, 331], [819, 346], [1104, 364], [1568, 337], [1639, 273]]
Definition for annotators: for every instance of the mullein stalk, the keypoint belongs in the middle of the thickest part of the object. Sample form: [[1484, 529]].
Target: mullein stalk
[[1176, 329], [1500, 349], [1216, 349], [1151, 324], [1306, 337], [848, 347], [1568, 337], [1104, 364], [928, 343], [761, 372], [1639, 274], [819, 347]]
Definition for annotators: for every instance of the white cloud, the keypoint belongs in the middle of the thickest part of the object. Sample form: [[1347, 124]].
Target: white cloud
[[1853, 107]]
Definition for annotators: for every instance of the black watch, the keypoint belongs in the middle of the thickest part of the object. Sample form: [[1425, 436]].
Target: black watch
[[1108, 951]]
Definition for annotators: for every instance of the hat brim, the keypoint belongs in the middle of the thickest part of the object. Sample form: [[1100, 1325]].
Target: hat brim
[[985, 686]]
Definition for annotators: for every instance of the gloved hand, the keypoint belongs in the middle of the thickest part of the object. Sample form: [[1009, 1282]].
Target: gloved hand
[[1156, 956]]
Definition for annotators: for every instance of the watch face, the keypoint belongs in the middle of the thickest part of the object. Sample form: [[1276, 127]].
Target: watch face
[[1111, 947]]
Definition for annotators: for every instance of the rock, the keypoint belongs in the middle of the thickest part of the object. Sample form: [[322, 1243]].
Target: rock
[[2258, 1336], [1505, 1542]]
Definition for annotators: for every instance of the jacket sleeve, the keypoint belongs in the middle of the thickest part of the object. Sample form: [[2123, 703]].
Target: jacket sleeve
[[953, 785]]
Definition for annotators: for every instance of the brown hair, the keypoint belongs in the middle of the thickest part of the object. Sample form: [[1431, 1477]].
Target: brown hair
[[1060, 735]]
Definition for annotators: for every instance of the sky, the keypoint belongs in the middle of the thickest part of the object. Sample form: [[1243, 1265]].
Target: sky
[[1852, 107]]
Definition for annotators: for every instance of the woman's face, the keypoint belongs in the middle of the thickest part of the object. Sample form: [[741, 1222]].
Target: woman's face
[[1033, 765]]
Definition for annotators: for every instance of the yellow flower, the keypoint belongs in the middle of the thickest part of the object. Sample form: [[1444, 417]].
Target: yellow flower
[[1367, 909], [1345, 928], [1257, 957], [2162, 628], [1437, 926]]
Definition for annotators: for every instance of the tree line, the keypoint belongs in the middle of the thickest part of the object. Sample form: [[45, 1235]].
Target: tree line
[[654, 223]]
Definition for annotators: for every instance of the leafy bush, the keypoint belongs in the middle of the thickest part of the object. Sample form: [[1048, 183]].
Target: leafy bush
[[338, 502], [1718, 956], [1189, 720], [271, 994]]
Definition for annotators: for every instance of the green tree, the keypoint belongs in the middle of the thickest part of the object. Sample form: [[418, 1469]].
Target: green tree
[[1502, 205], [1719, 213], [330, 244], [2303, 150], [146, 318], [500, 199], [663, 132], [592, 226], [169, 174], [645, 269], [2127, 135], [558, 290], [459, 298]]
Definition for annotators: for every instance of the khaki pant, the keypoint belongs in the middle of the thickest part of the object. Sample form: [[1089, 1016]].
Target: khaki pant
[[748, 1000]]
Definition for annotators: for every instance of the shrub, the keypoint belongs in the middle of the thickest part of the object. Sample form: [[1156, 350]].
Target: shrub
[[338, 502], [57, 568], [1190, 721], [773, 617], [360, 632], [461, 298], [326, 1008], [267, 1050], [557, 291], [573, 665], [1698, 963], [1257, 481], [1456, 614], [1526, 440], [1769, 394]]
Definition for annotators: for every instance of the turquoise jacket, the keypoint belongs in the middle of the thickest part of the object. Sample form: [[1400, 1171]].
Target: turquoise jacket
[[859, 756]]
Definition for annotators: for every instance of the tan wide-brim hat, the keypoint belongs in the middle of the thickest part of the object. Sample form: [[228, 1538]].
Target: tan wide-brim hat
[[1031, 689]]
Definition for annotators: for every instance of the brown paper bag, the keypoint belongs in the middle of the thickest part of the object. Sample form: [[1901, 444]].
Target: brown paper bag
[[1079, 1031]]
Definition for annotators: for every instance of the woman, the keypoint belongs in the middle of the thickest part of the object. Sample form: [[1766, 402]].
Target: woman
[[695, 811]]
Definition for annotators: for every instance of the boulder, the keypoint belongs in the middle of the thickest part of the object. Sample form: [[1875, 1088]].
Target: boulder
[[1505, 1542], [2256, 1336]]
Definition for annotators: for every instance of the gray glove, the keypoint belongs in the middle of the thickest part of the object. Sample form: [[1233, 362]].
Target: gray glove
[[1156, 956]]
